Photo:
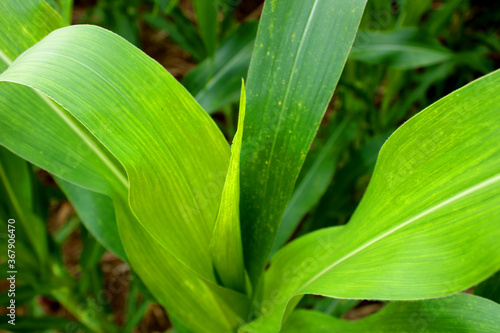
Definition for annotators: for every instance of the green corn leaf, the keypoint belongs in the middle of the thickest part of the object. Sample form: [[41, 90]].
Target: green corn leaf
[[63, 146], [226, 247], [432, 207], [206, 16], [459, 313], [197, 303], [66, 10], [404, 48], [295, 67], [138, 111], [16, 17], [313, 184], [17, 187], [137, 133], [97, 213], [215, 83]]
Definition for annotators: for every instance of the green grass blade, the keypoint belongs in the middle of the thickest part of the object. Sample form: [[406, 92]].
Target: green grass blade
[[15, 178], [460, 313], [403, 49], [181, 30], [97, 214], [66, 10], [206, 17], [226, 247], [431, 209], [295, 67], [215, 83]]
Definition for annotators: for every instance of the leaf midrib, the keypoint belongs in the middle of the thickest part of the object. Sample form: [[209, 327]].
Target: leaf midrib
[[84, 136], [428, 211], [5, 58], [285, 99]]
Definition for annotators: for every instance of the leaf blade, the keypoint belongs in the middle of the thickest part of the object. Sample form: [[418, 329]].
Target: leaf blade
[[226, 246], [411, 204], [458, 313], [136, 125], [405, 48], [276, 141]]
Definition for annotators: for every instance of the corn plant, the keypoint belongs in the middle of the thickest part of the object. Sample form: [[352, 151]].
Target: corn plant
[[196, 219]]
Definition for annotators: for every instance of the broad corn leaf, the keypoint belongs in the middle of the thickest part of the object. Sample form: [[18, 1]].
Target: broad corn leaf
[[138, 133], [63, 146], [144, 117], [459, 313], [295, 67], [431, 209]]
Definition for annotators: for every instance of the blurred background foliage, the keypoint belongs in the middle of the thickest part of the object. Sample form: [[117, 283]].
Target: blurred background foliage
[[407, 54]]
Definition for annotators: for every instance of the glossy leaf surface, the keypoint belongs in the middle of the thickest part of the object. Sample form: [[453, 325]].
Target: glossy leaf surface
[[137, 135], [42, 132], [110, 96]]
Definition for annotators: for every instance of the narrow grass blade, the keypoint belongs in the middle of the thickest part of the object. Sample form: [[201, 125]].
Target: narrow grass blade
[[15, 178], [215, 83], [403, 48], [226, 247], [206, 16]]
